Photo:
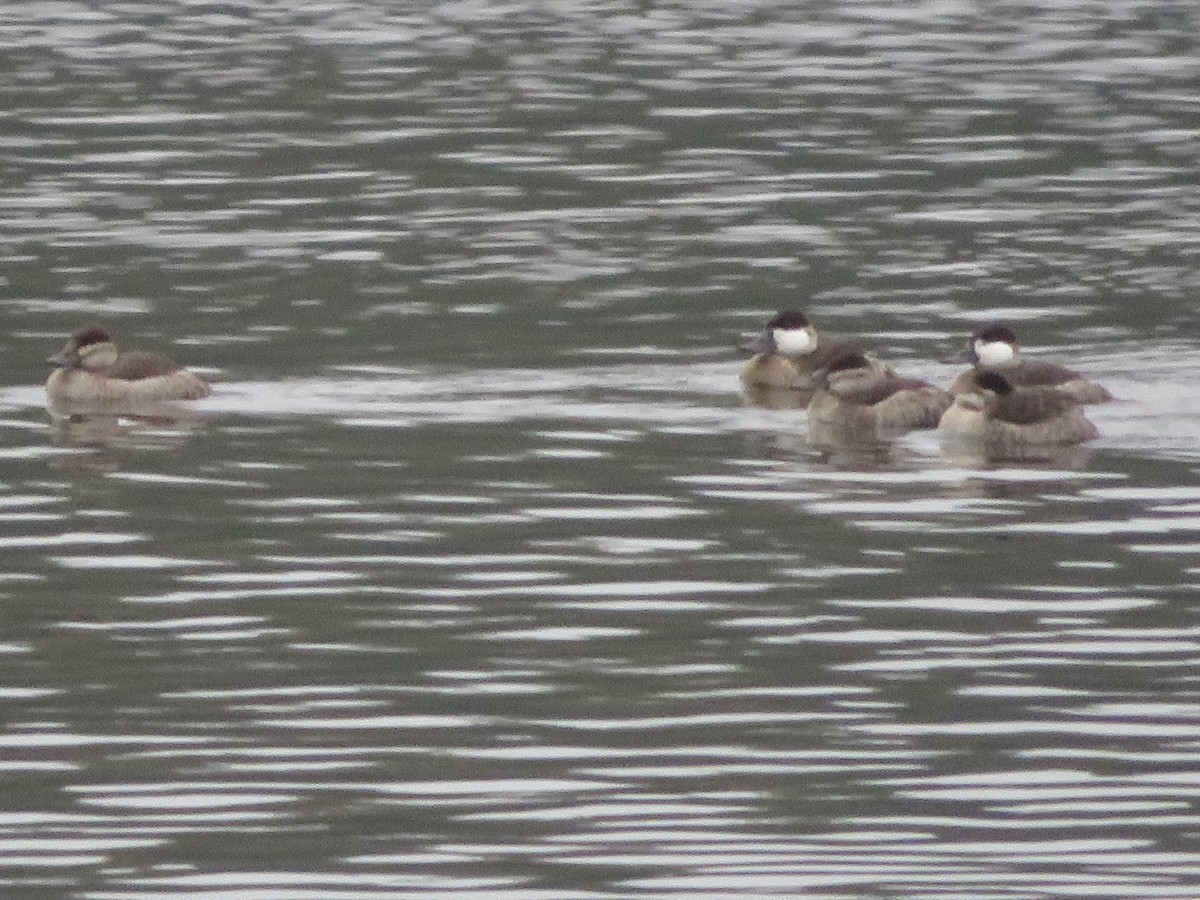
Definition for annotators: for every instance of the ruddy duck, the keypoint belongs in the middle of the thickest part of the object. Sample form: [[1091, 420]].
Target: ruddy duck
[[855, 392], [998, 412], [90, 369], [995, 347], [787, 353]]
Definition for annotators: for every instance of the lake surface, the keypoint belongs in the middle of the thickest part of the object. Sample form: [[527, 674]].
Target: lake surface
[[477, 576]]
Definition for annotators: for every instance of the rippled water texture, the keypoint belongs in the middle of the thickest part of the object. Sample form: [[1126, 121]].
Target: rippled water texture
[[476, 576]]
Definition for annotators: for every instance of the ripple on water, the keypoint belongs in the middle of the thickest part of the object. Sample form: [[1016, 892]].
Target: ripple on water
[[544, 612]]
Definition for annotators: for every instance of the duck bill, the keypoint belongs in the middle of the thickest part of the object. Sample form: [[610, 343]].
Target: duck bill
[[763, 343], [961, 358], [64, 358]]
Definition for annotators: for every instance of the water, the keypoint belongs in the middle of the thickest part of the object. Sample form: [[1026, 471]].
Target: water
[[476, 576]]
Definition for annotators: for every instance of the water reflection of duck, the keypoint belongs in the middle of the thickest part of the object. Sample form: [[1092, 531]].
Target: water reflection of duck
[[91, 369], [857, 393], [98, 438], [995, 347], [788, 353], [1000, 413]]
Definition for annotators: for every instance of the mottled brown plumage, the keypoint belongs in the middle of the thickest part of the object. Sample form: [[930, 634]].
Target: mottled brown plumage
[[998, 412], [91, 369], [994, 347], [858, 393], [788, 352]]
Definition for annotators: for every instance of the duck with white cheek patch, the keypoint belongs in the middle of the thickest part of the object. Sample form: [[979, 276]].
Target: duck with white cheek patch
[[995, 348], [788, 352]]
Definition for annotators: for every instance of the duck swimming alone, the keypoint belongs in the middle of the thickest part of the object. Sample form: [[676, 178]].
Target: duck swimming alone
[[998, 412], [787, 353], [91, 369], [855, 392], [995, 347]]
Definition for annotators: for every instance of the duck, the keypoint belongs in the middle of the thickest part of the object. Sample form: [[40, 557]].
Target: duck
[[788, 353], [858, 393], [997, 411], [995, 347], [91, 369]]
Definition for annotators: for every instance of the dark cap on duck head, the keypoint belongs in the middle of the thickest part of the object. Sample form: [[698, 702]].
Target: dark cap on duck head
[[988, 334], [995, 332], [990, 380], [93, 334], [68, 356], [848, 358], [789, 318]]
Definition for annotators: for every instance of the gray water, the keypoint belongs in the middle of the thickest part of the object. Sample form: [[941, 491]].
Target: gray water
[[477, 576]]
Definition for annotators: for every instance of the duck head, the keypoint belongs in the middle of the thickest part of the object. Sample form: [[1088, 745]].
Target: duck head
[[787, 334], [88, 348], [993, 346], [990, 386]]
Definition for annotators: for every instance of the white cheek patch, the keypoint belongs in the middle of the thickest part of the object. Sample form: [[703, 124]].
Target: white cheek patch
[[794, 341], [96, 356], [994, 353]]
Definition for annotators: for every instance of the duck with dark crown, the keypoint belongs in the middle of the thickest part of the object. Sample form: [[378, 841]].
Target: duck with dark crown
[[857, 393], [995, 347], [999, 412], [788, 352], [91, 369]]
